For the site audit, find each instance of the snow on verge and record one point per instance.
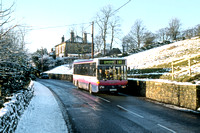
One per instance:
(43, 114)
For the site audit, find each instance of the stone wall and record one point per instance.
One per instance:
(10, 114)
(67, 77)
(184, 95)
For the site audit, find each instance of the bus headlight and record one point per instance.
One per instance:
(101, 87)
(123, 86)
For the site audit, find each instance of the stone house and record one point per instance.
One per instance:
(75, 46)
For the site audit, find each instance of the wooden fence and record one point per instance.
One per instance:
(189, 62)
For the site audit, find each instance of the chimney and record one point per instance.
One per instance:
(63, 39)
(72, 36)
(84, 37)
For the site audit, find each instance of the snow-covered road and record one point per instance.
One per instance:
(43, 114)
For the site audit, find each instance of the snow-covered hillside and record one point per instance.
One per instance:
(164, 54)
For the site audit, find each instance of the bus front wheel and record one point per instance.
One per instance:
(77, 84)
(90, 88)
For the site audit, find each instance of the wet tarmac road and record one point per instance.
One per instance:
(118, 113)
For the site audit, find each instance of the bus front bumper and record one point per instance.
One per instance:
(111, 88)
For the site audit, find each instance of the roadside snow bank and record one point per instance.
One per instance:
(43, 115)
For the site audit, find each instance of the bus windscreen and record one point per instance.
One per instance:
(112, 72)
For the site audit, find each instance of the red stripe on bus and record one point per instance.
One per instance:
(104, 82)
(113, 82)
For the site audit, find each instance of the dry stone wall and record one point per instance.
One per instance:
(10, 114)
(181, 94)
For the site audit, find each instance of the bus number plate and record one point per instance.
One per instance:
(113, 89)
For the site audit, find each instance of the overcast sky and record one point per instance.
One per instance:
(63, 15)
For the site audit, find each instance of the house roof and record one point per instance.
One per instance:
(77, 39)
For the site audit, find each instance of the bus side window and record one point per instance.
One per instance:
(99, 73)
(94, 71)
(103, 75)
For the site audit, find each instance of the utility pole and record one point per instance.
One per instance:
(92, 47)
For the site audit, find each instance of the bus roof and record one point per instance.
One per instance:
(83, 61)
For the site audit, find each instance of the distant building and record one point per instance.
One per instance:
(75, 46)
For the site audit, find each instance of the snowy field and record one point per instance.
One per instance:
(164, 54)
(43, 114)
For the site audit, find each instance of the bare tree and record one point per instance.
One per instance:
(128, 43)
(188, 33)
(98, 43)
(12, 42)
(115, 29)
(137, 33)
(5, 19)
(102, 20)
(174, 28)
(108, 23)
(6, 45)
(163, 34)
(149, 38)
(197, 30)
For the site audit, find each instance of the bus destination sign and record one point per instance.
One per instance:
(112, 62)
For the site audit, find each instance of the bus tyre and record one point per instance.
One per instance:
(77, 85)
(90, 89)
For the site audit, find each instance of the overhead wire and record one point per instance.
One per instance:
(120, 7)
